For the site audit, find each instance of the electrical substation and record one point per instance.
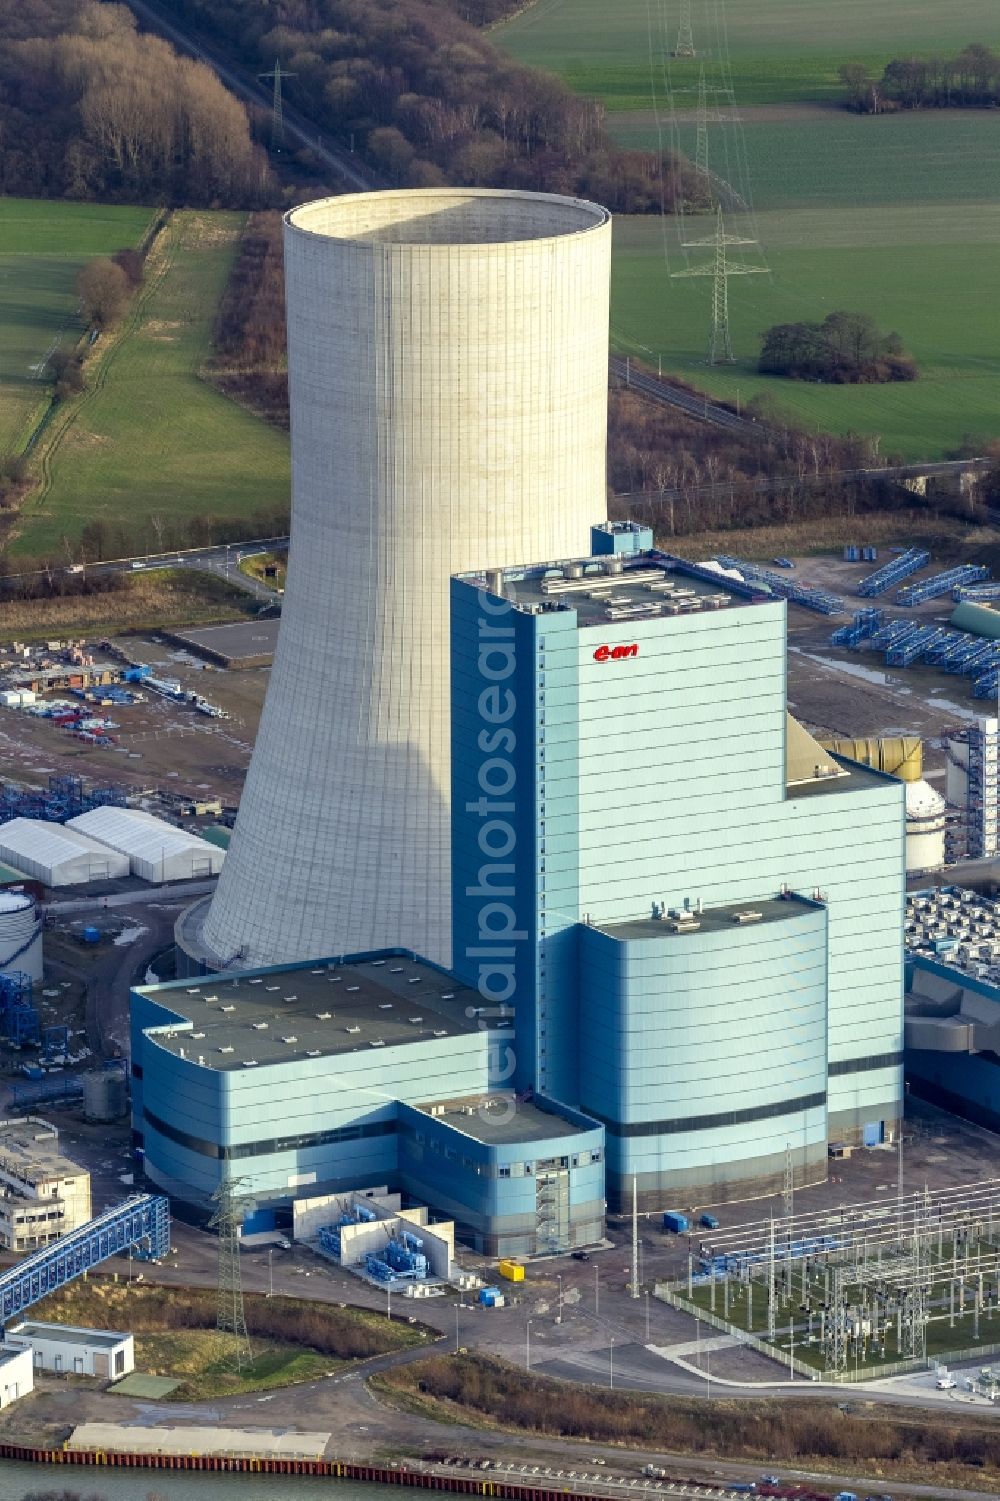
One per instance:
(868, 1289)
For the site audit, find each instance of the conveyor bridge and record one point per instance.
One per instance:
(142, 1223)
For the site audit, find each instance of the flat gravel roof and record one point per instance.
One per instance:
(710, 920)
(500, 1118)
(326, 1010)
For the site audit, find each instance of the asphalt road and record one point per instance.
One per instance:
(223, 560)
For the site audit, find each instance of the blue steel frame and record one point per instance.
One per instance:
(144, 1218)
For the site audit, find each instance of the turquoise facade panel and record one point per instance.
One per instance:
(656, 776)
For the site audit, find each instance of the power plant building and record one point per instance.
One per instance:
(677, 930)
(311, 1080)
(448, 386)
(694, 910)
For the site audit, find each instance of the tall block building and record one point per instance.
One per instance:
(694, 910)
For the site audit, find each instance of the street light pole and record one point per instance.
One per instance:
(647, 1315)
(559, 1280)
(612, 1362)
(270, 1271)
(597, 1290)
(456, 1327)
(527, 1346)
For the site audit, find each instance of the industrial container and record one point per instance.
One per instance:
(91, 934)
(709, 1221)
(104, 1095)
(491, 1297)
(10, 698)
(676, 1223)
(851, 554)
(512, 1270)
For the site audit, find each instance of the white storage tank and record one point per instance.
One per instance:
(925, 818)
(20, 935)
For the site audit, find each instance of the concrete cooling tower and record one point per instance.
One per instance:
(448, 370)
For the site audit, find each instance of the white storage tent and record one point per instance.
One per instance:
(156, 850)
(57, 855)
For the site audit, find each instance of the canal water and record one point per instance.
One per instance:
(19, 1480)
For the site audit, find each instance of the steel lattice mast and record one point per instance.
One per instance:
(230, 1201)
(720, 268)
(685, 35)
(277, 73)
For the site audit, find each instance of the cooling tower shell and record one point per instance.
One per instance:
(448, 384)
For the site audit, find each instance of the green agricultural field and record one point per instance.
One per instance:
(150, 440)
(927, 271)
(830, 157)
(42, 247)
(781, 50)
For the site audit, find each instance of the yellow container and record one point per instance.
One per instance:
(512, 1270)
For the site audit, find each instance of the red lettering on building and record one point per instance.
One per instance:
(616, 653)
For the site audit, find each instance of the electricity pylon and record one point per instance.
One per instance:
(277, 108)
(685, 37)
(701, 138)
(720, 268)
(230, 1199)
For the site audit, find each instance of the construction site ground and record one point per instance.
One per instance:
(160, 744)
(852, 693)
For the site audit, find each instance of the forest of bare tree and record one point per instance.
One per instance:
(90, 108)
(424, 95)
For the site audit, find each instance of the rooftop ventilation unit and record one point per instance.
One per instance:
(396, 969)
(447, 995)
(377, 962)
(226, 1048)
(254, 982)
(195, 991)
(230, 1007)
(748, 915)
(290, 1039)
(354, 987)
(441, 1032)
(210, 998)
(317, 971)
(249, 1063)
(312, 1053)
(377, 1042)
(323, 1016)
(413, 980)
(259, 1026)
(273, 987)
(352, 1030)
(415, 1020)
(385, 1005)
(197, 1036)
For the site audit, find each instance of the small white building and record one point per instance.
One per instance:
(155, 849)
(16, 1375)
(57, 855)
(70, 1350)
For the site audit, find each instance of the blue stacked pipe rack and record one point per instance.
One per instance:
(894, 572)
(941, 583)
(811, 598)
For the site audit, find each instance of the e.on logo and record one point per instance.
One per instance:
(616, 653)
